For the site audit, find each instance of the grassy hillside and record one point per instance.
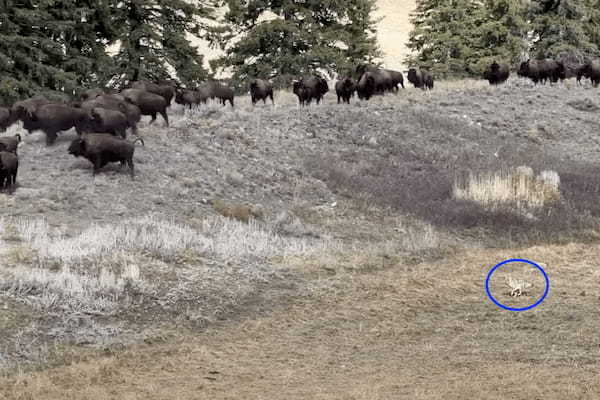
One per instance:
(339, 249)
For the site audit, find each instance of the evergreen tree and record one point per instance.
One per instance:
(282, 39)
(564, 28)
(31, 54)
(153, 40)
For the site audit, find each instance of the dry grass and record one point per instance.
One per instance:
(517, 188)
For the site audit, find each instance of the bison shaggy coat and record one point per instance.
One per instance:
(261, 90)
(344, 89)
(148, 103)
(307, 89)
(9, 165)
(420, 78)
(54, 118)
(496, 73)
(101, 149)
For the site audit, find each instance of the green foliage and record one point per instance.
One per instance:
(460, 37)
(565, 28)
(282, 39)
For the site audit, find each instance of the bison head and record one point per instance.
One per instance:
(412, 76)
(297, 86)
(523, 69)
(77, 147)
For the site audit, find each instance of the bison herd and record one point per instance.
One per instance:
(102, 118)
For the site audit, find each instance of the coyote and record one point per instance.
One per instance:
(518, 286)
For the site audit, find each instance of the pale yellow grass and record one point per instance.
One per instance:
(517, 187)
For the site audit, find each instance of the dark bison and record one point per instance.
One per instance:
(188, 98)
(542, 70)
(102, 120)
(114, 103)
(149, 103)
(9, 165)
(223, 93)
(421, 79)
(261, 90)
(166, 90)
(21, 109)
(397, 79)
(310, 88)
(92, 94)
(365, 88)
(6, 118)
(591, 70)
(496, 73)
(10, 143)
(101, 149)
(54, 118)
(383, 79)
(345, 88)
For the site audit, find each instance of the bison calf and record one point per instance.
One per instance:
(101, 149)
(345, 88)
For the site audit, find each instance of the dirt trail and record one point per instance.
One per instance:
(406, 332)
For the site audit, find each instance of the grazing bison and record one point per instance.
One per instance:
(6, 118)
(10, 143)
(542, 70)
(148, 103)
(496, 73)
(261, 90)
(591, 70)
(345, 88)
(54, 118)
(397, 79)
(166, 90)
(9, 165)
(101, 149)
(310, 88)
(384, 80)
(421, 79)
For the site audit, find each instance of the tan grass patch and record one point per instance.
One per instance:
(518, 187)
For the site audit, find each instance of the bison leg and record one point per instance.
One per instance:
(50, 138)
(163, 113)
(130, 165)
(153, 115)
(231, 101)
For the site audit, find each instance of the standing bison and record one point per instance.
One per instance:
(345, 88)
(421, 79)
(591, 70)
(148, 103)
(54, 118)
(307, 89)
(223, 93)
(261, 90)
(165, 90)
(496, 73)
(542, 70)
(6, 118)
(9, 165)
(102, 149)
(397, 79)
(188, 98)
(365, 88)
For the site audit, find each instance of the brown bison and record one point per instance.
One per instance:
(102, 120)
(591, 70)
(101, 149)
(542, 70)
(421, 79)
(261, 90)
(397, 79)
(188, 98)
(6, 118)
(21, 109)
(365, 88)
(496, 73)
(9, 165)
(307, 89)
(344, 89)
(10, 143)
(54, 118)
(165, 89)
(148, 103)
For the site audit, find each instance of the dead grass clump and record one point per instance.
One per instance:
(240, 212)
(518, 188)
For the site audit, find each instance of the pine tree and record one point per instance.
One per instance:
(564, 28)
(153, 40)
(282, 39)
(30, 54)
(444, 37)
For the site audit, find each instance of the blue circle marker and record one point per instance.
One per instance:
(496, 302)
